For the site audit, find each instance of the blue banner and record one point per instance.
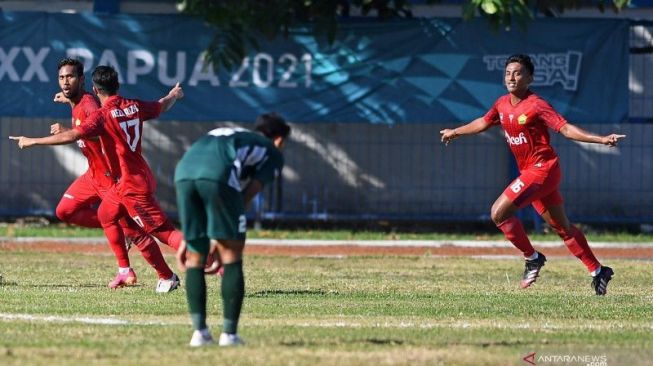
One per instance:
(416, 71)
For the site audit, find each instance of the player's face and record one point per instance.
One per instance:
(70, 83)
(517, 78)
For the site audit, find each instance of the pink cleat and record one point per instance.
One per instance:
(123, 279)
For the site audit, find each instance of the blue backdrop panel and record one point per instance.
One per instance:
(434, 71)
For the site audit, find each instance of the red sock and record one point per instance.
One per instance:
(109, 213)
(167, 234)
(577, 244)
(152, 254)
(116, 239)
(513, 230)
(68, 211)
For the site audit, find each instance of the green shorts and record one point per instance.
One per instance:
(210, 210)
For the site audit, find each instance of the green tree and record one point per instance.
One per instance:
(239, 24)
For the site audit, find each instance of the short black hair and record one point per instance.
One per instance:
(524, 60)
(272, 125)
(106, 78)
(78, 65)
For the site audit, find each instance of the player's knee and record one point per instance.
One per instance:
(497, 216)
(63, 212)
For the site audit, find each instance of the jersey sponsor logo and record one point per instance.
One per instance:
(550, 68)
(516, 140)
(522, 119)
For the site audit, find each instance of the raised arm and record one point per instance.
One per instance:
(472, 128)
(576, 133)
(169, 100)
(58, 139)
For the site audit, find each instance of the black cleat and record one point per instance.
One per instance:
(532, 270)
(600, 281)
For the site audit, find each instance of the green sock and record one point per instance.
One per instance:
(196, 297)
(233, 293)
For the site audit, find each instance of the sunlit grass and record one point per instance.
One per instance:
(326, 311)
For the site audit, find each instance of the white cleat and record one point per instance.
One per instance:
(229, 340)
(165, 286)
(201, 338)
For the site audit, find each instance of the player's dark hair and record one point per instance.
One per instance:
(524, 60)
(272, 125)
(105, 78)
(78, 65)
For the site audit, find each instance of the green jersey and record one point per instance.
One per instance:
(233, 156)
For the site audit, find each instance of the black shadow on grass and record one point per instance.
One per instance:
(273, 293)
(374, 341)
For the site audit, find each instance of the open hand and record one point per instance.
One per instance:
(181, 256)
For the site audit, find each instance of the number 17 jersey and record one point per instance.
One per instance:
(119, 123)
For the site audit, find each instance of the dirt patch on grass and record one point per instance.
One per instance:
(643, 252)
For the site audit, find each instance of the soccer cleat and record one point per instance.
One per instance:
(229, 340)
(201, 338)
(532, 270)
(600, 281)
(123, 279)
(168, 285)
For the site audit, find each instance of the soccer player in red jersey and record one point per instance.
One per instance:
(77, 204)
(525, 119)
(119, 124)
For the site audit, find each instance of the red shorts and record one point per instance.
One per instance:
(142, 208)
(531, 187)
(83, 191)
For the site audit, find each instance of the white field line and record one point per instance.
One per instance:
(360, 243)
(489, 324)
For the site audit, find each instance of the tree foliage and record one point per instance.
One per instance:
(239, 24)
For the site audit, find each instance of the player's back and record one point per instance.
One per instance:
(122, 142)
(232, 156)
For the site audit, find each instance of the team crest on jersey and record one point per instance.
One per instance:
(78, 122)
(522, 119)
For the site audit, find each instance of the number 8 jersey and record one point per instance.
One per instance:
(119, 124)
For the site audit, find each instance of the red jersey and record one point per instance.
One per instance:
(525, 127)
(91, 148)
(119, 123)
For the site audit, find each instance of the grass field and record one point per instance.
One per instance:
(375, 310)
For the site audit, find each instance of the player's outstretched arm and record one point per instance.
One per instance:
(58, 139)
(472, 128)
(576, 133)
(169, 100)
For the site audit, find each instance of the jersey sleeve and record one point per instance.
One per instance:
(90, 106)
(550, 116)
(492, 115)
(93, 126)
(270, 168)
(149, 110)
